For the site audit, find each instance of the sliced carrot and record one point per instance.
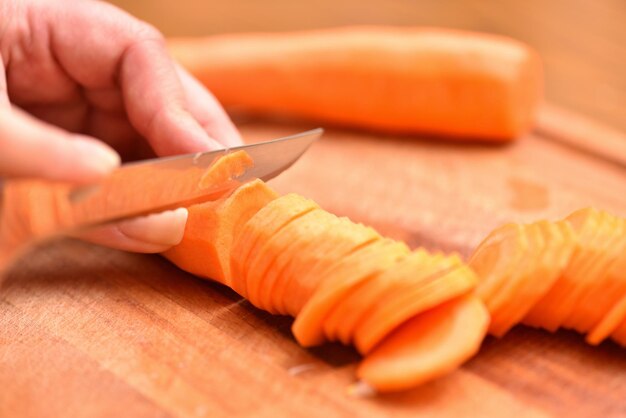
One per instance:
(611, 321)
(427, 346)
(599, 291)
(296, 284)
(550, 261)
(265, 254)
(447, 82)
(497, 258)
(338, 281)
(228, 167)
(206, 245)
(411, 299)
(265, 223)
(499, 305)
(557, 303)
(343, 319)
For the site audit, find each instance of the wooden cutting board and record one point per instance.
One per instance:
(87, 331)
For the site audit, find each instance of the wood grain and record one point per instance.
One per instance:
(87, 331)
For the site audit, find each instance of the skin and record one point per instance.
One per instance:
(83, 86)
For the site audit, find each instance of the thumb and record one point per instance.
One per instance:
(31, 148)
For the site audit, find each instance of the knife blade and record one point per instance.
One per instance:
(32, 210)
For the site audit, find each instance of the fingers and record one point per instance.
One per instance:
(207, 110)
(31, 148)
(155, 101)
(148, 234)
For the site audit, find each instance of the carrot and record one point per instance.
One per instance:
(411, 297)
(407, 80)
(263, 224)
(210, 230)
(570, 273)
(338, 281)
(427, 346)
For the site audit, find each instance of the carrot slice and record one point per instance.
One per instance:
(206, 245)
(611, 321)
(499, 304)
(263, 257)
(343, 319)
(498, 257)
(558, 302)
(338, 281)
(561, 240)
(265, 223)
(296, 285)
(228, 167)
(411, 299)
(427, 346)
(592, 303)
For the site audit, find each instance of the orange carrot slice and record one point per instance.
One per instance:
(499, 304)
(557, 303)
(337, 282)
(497, 258)
(303, 273)
(264, 224)
(427, 346)
(227, 167)
(611, 321)
(592, 303)
(206, 245)
(343, 319)
(410, 299)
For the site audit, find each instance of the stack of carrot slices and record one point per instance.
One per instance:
(569, 274)
(412, 314)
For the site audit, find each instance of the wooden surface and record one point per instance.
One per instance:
(87, 331)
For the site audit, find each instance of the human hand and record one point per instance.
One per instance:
(89, 79)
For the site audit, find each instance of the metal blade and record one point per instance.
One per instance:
(173, 181)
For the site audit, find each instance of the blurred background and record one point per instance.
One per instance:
(582, 42)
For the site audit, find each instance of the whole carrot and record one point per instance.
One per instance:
(401, 80)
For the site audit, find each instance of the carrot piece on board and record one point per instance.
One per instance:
(264, 224)
(343, 319)
(338, 281)
(411, 80)
(590, 226)
(551, 260)
(507, 296)
(206, 245)
(227, 167)
(296, 284)
(411, 299)
(599, 291)
(427, 346)
(497, 258)
(612, 319)
(276, 251)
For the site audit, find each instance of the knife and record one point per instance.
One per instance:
(33, 210)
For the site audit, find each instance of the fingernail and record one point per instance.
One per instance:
(96, 154)
(165, 228)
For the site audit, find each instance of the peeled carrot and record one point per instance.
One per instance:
(206, 245)
(407, 80)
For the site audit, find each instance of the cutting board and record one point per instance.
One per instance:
(87, 331)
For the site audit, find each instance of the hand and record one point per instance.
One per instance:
(83, 83)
